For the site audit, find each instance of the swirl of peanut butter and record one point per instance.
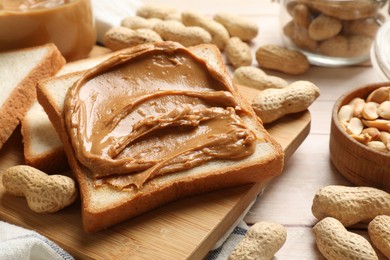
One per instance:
(152, 110)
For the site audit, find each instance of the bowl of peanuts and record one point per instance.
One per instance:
(359, 142)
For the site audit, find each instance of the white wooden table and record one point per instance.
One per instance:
(288, 198)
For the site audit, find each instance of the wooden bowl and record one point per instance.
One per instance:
(361, 165)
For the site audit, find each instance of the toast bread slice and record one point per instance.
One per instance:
(20, 70)
(105, 206)
(42, 146)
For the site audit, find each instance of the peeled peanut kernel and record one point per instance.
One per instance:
(355, 126)
(374, 113)
(385, 138)
(377, 145)
(380, 124)
(379, 95)
(357, 104)
(363, 138)
(372, 131)
(345, 114)
(369, 111)
(384, 110)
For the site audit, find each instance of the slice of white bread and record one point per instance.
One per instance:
(43, 148)
(20, 70)
(105, 206)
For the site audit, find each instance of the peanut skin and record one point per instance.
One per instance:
(44, 193)
(262, 241)
(350, 205)
(272, 104)
(379, 232)
(335, 242)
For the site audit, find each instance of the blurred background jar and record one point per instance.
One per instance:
(380, 52)
(67, 23)
(332, 32)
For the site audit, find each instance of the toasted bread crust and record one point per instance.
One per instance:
(125, 204)
(23, 95)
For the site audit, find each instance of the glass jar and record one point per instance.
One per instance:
(69, 24)
(380, 52)
(332, 32)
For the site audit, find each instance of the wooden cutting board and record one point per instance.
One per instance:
(188, 228)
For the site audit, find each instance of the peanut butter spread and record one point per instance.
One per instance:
(154, 111)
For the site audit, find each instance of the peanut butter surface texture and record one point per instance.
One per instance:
(156, 109)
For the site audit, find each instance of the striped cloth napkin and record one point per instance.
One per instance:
(24, 244)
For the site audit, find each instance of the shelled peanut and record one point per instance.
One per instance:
(333, 28)
(368, 120)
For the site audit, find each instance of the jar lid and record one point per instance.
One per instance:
(380, 52)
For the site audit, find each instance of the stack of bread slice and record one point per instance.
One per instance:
(20, 71)
(105, 205)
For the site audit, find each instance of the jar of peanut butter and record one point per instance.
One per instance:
(67, 23)
(332, 33)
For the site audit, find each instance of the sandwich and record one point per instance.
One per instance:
(155, 123)
(20, 71)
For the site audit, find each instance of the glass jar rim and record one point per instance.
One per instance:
(380, 52)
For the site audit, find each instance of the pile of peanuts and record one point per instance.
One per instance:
(339, 207)
(152, 23)
(232, 34)
(333, 28)
(368, 120)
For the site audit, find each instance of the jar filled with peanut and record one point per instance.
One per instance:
(332, 32)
